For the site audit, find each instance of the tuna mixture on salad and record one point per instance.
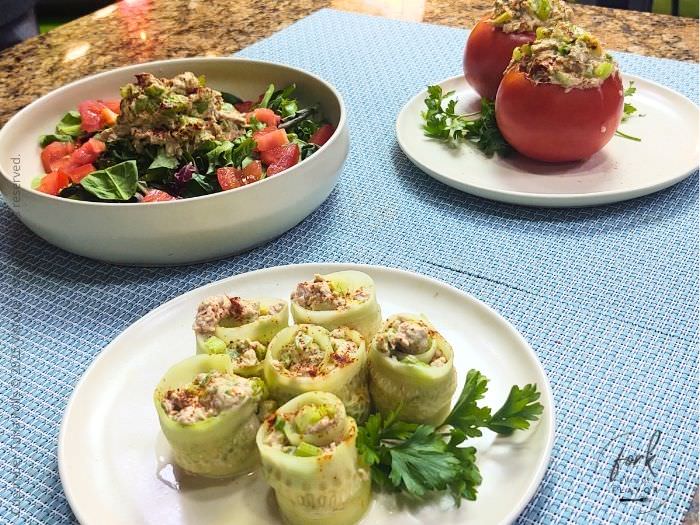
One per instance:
(173, 138)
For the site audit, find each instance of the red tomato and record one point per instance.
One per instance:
(88, 152)
(545, 122)
(266, 116)
(266, 140)
(487, 55)
(90, 115)
(158, 196)
(322, 134)
(78, 173)
(112, 104)
(52, 183)
(289, 157)
(230, 178)
(54, 152)
(244, 107)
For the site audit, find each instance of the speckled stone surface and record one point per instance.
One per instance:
(144, 30)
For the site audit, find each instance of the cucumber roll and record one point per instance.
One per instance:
(210, 416)
(303, 358)
(346, 298)
(411, 368)
(241, 328)
(309, 459)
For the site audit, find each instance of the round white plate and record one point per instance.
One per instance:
(114, 462)
(622, 170)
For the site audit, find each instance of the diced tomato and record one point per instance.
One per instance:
(78, 173)
(322, 134)
(91, 115)
(266, 140)
(113, 104)
(230, 178)
(55, 151)
(88, 152)
(244, 107)
(158, 196)
(266, 116)
(109, 117)
(288, 157)
(52, 183)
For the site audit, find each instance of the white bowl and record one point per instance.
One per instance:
(183, 231)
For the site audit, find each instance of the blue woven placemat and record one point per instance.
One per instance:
(607, 296)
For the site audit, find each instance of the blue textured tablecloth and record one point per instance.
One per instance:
(607, 296)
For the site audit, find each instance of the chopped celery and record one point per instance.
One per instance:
(307, 450)
(215, 345)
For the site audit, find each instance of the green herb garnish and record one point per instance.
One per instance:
(420, 459)
(443, 123)
(628, 111)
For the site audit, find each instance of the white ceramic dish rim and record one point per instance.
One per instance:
(545, 388)
(557, 199)
(190, 60)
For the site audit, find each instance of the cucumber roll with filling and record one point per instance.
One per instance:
(346, 298)
(241, 328)
(210, 416)
(309, 459)
(303, 358)
(412, 369)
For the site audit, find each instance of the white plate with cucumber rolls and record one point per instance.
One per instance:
(212, 410)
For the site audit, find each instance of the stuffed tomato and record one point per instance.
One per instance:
(491, 42)
(561, 98)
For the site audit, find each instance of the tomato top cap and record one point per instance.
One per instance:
(525, 16)
(566, 55)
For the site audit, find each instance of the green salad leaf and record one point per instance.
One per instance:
(281, 102)
(117, 183)
(266, 96)
(45, 140)
(70, 124)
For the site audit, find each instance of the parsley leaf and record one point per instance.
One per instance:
(466, 417)
(442, 122)
(519, 409)
(420, 459)
(422, 463)
(628, 111)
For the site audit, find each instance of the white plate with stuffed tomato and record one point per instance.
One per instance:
(623, 169)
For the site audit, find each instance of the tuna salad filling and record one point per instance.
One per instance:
(245, 353)
(312, 430)
(208, 395)
(178, 114)
(410, 341)
(525, 16)
(228, 311)
(322, 294)
(305, 356)
(565, 55)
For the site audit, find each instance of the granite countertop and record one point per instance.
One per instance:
(144, 30)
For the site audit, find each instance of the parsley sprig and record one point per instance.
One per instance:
(628, 111)
(422, 459)
(443, 123)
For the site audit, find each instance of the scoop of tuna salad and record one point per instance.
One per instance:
(206, 396)
(565, 55)
(178, 114)
(410, 339)
(323, 294)
(525, 16)
(236, 311)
